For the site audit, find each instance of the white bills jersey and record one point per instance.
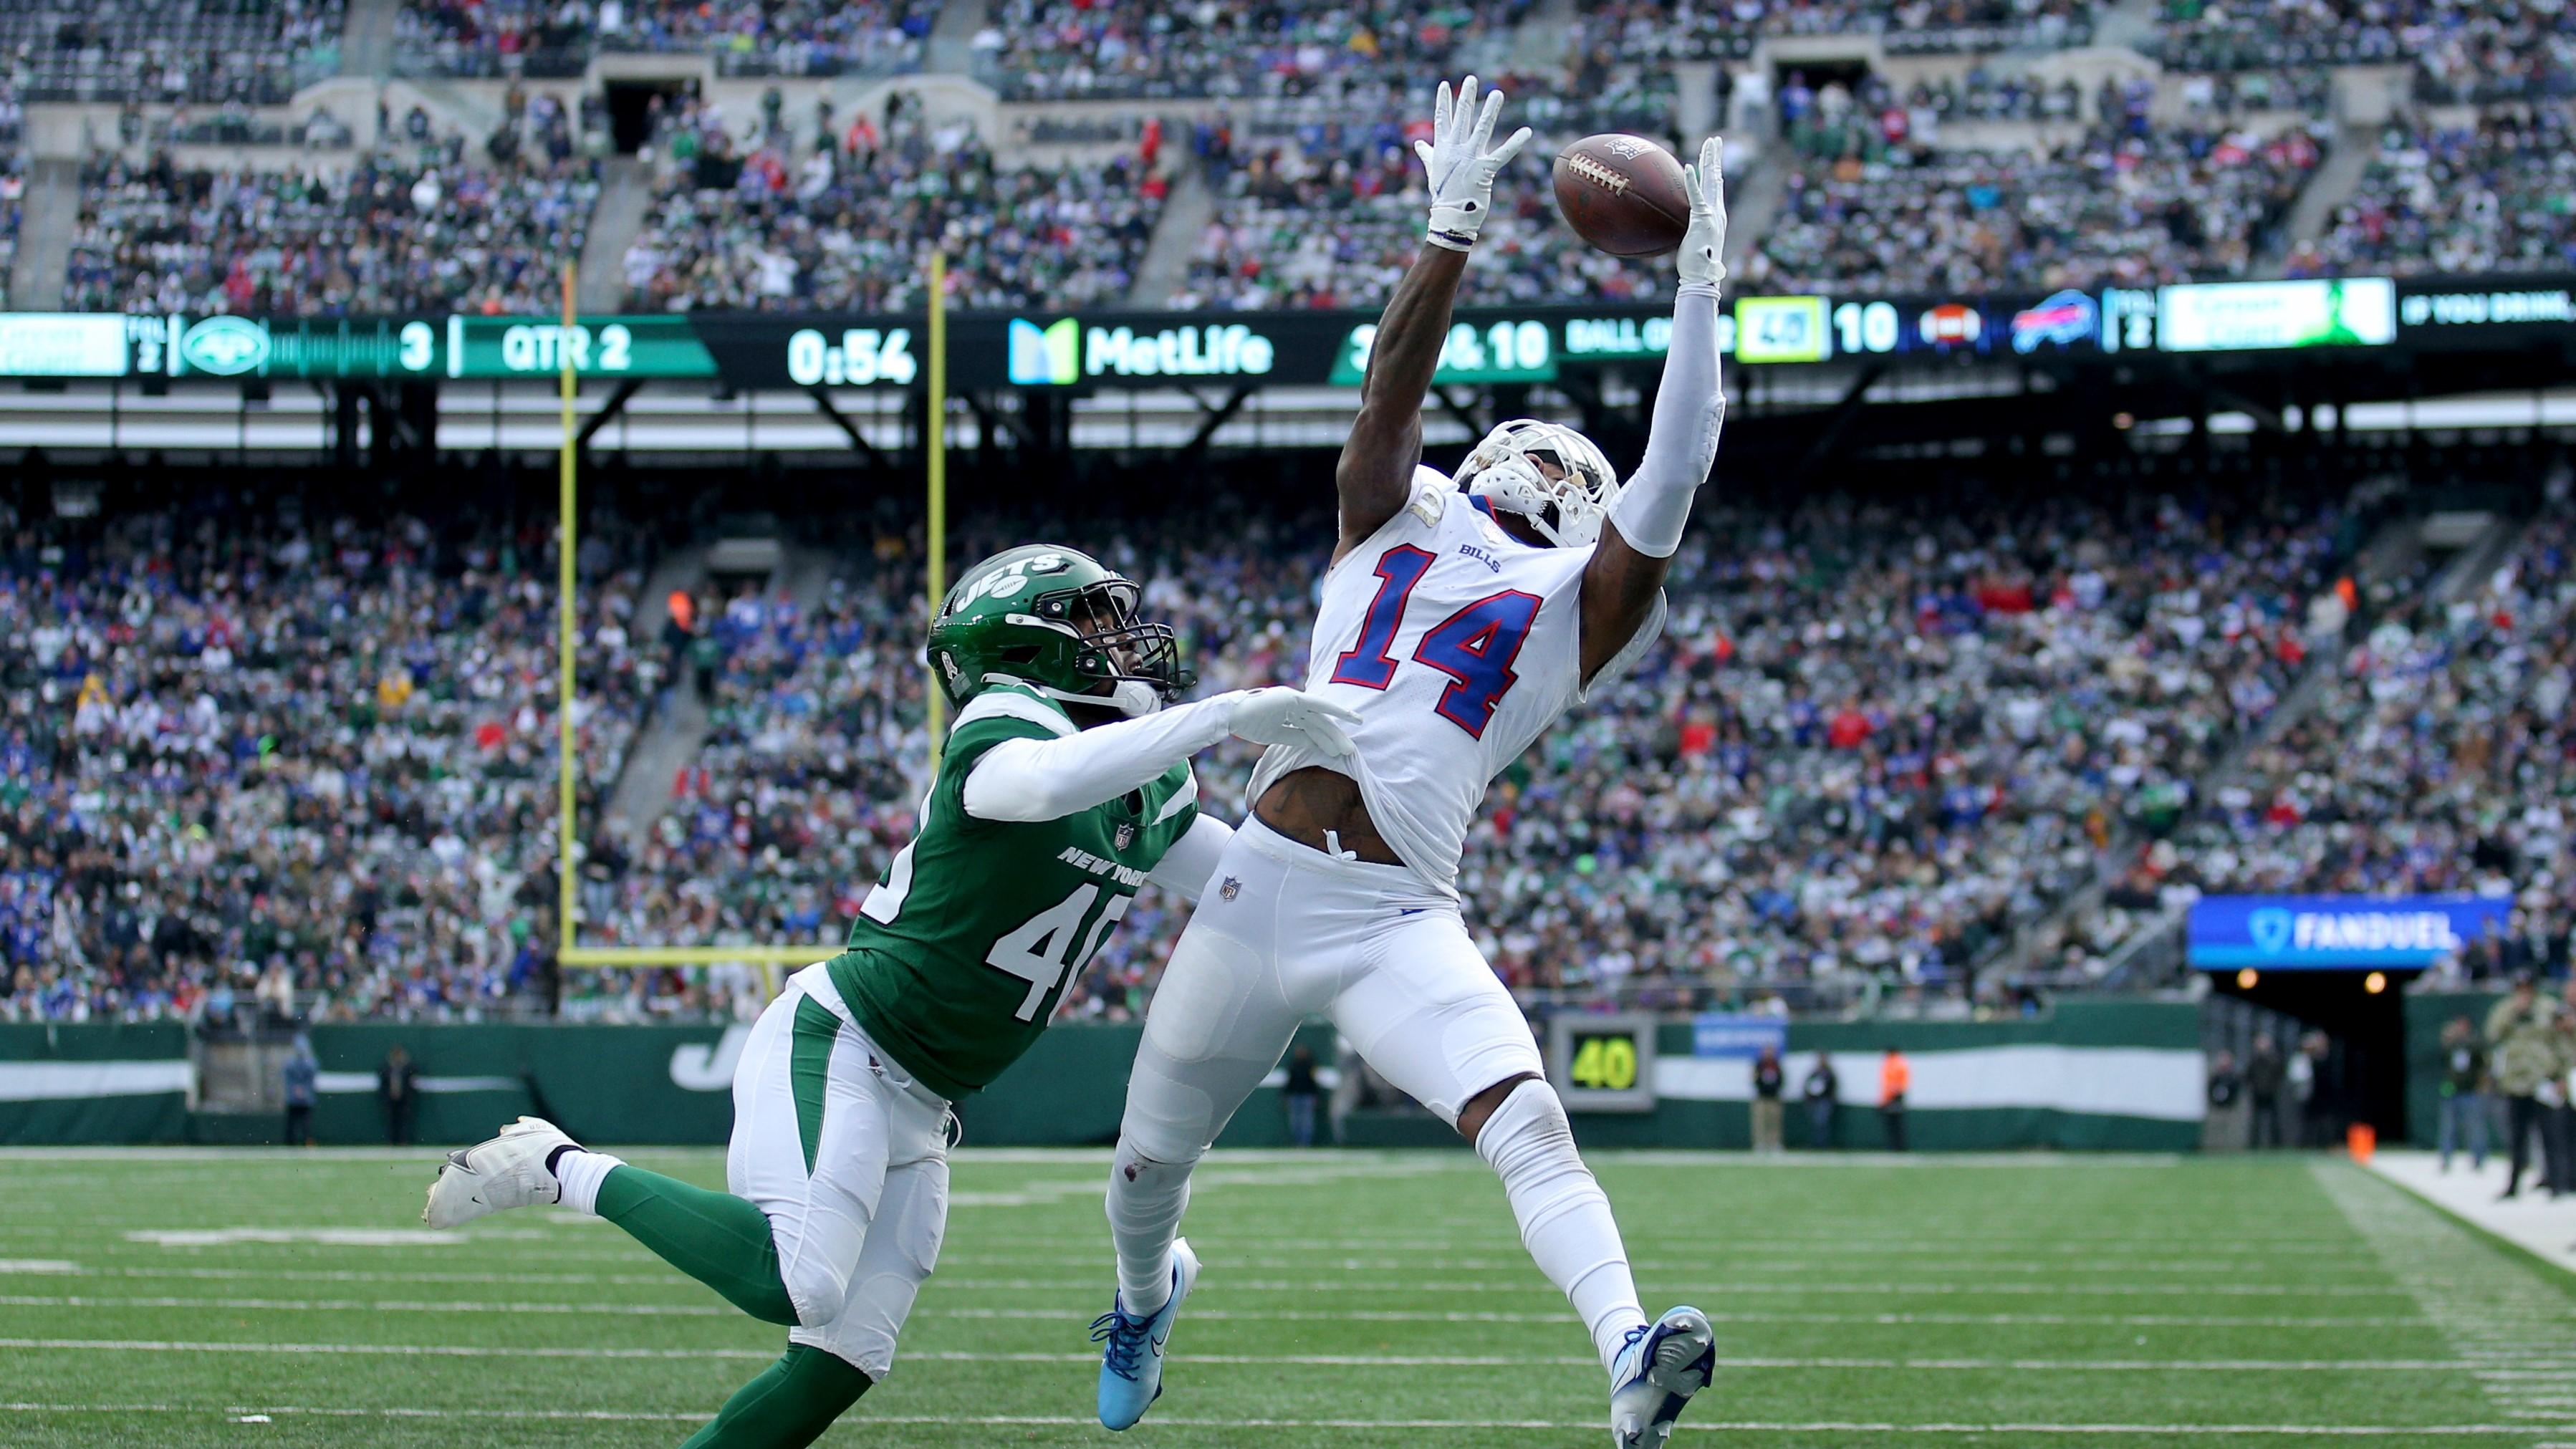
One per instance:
(1458, 645)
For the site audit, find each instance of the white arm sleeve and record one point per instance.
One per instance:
(1185, 867)
(1027, 780)
(1682, 445)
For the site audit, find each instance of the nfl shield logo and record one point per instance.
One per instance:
(1231, 888)
(1126, 836)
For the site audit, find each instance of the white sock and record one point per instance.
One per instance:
(1146, 1200)
(579, 1173)
(1565, 1220)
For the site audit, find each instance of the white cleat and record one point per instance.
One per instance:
(508, 1171)
(1661, 1366)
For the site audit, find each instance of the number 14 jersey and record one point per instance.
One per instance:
(1458, 645)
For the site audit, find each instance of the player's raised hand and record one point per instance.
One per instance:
(1284, 716)
(1703, 253)
(1459, 168)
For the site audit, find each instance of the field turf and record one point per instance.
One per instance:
(181, 1298)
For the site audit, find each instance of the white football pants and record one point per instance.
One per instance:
(1284, 932)
(848, 1157)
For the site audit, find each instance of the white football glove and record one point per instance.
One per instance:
(1283, 716)
(1460, 169)
(1703, 253)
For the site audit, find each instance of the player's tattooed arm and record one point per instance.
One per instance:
(1644, 529)
(1458, 164)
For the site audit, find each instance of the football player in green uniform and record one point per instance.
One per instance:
(1065, 787)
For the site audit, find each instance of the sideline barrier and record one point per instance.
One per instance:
(2118, 1075)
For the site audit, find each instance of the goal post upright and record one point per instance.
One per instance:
(935, 460)
(566, 633)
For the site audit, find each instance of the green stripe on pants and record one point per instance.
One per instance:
(809, 1070)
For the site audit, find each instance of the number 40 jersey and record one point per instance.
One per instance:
(1458, 645)
(962, 951)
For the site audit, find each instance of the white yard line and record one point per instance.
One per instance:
(1319, 1360)
(1093, 1284)
(2307, 1431)
(1283, 1315)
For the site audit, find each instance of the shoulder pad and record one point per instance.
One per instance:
(1003, 701)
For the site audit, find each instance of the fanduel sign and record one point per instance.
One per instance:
(2337, 932)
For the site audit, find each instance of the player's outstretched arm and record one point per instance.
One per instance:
(1375, 476)
(1030, 779)
(1645, 525)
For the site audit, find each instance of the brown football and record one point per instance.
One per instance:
(1623, 194)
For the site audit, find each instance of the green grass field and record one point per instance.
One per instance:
(200, 1298)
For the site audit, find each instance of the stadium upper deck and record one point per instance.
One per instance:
(1960, 146)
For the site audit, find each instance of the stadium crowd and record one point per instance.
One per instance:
(1322, 206)
(1077, 49)
(2130, 201)
(202, 51)
(560, 37)
(847, 220)
(1697, 29)
(2489, 196)
(2441, 760)
(417, 225)
(240, 746)
(1874, 740)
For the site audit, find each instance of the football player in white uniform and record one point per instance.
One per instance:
(1459, 619)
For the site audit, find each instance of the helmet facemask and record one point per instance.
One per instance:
(1140, 661)
(1546, 473)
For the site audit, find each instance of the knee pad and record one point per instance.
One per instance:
(1527, 1132)
(1167, 1119)
(1141, 1166)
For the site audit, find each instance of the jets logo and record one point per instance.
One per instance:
(1231, 888)
(1126, 836)
(1006, 580)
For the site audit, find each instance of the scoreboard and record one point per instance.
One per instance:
(1602, 1063)
(1304, 348)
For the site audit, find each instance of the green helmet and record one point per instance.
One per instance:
(1052, 619)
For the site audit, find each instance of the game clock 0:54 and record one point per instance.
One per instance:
(1603, 1063)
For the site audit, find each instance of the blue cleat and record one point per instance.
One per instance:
(1658, 1369)
(1131, 1354)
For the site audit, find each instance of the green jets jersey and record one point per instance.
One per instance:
(963, 949)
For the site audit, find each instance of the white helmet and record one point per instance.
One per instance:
(1567, 509)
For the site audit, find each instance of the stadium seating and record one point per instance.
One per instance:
(416, 226)
(1046, 49)
(2130, 202)
(170, 50)
(1698, 29)
(1876, 739)
(520, 38)
(2440, 760)
(849, 227)
(2496, 52)
(234, 740)
(1867, 749)
(2488, 197)
(13, 178)
(1321, 205)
